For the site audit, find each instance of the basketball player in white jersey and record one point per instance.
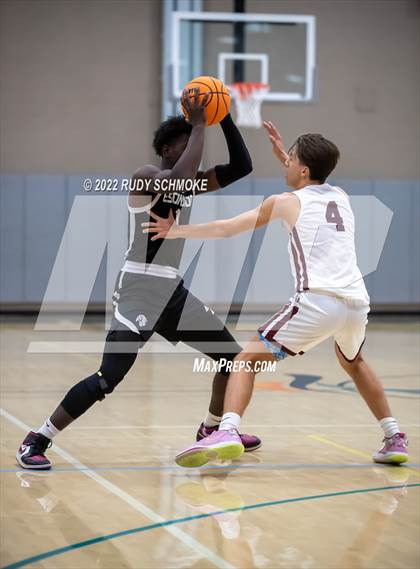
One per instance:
(330, 300)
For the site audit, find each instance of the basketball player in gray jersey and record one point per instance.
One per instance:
(149, 295)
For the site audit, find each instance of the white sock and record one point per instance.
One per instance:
(230, 421)
(48, 429)
(389, 426)
(212, 420)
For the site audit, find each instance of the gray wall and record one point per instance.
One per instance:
(81, 82)
(80, 85)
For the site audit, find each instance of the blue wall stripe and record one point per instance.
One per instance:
(34, 210)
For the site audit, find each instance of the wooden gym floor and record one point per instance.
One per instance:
(309, 498)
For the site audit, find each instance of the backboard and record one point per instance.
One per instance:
(278, 49)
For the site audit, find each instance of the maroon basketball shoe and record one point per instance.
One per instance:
(250, 442)
(31, 452)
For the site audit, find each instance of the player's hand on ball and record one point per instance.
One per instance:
(163, 227)
(277, 142)
(195, 107)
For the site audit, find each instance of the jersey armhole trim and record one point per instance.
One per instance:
(295, 193)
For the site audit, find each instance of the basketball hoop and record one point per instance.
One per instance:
(248, 99)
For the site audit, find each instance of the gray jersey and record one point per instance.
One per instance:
(161, 257)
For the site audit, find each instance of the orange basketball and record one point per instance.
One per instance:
(218, 105)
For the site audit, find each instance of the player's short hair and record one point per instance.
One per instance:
(319, 154)
(169, 131)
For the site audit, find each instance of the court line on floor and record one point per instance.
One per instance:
(130, 500)
(352, 450)
(199, 471)
(102, 538)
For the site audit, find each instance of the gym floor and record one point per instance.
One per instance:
(311, 497)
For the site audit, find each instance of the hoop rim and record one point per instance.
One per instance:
(246, 89)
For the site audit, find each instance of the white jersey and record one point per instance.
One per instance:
(321, 247)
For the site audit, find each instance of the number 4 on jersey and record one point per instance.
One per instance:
(333, 216)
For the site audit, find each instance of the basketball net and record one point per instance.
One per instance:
(248, 99)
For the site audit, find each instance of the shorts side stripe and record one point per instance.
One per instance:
(265, 330)
(125, 321)
(282, 310)
(278, 325)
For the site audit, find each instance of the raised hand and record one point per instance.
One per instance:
(195, 107)
(165, 228)
(277, 142)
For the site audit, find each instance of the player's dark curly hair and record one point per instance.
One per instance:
(169, 131)
(319, 154)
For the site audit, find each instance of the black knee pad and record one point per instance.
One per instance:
(113, 369)
(120, 353)
(114, 366)
(98, 386)
(83, 395)
(94, 388)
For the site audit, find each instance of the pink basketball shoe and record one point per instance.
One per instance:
(394, 450)
(224, 445)
(250, 442)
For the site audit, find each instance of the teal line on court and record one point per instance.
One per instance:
(94, 540)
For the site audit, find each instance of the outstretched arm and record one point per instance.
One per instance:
(284, 207)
